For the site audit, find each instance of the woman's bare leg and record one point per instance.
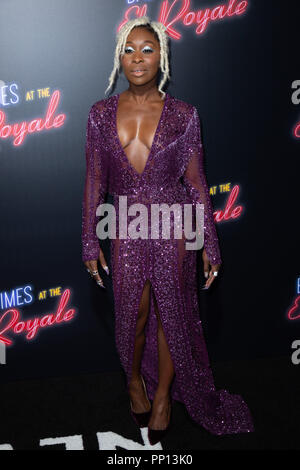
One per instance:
(160, 411)
(140, 404)
(161, 403)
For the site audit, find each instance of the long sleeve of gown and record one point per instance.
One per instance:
(195, 182)
(94, 189)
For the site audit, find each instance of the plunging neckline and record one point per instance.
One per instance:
(117, 97)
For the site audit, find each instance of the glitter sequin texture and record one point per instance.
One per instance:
(173, 173)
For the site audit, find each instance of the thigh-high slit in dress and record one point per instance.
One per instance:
(173, 174)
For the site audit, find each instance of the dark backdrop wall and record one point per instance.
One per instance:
(241, 73)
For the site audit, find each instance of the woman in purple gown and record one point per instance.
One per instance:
(145, 145)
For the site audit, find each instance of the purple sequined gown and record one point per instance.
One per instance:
(173, 174)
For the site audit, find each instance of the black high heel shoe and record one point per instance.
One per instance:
(155, 435)
(141, 419)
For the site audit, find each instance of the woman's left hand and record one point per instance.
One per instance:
(209, 272)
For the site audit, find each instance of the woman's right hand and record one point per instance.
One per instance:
(92, 268)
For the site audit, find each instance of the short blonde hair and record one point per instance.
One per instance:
(159, 31)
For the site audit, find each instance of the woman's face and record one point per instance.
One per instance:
(142, 53)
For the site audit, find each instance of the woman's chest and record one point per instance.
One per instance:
(164, 159)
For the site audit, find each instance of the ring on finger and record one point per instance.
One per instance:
(95, 272)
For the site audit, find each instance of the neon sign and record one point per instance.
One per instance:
(230, 212)
(31, 326)
(3, 95)
(180, 9)
(20, 130)
(294, 311)
(19, 296)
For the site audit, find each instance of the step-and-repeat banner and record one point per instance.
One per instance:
(234, 61)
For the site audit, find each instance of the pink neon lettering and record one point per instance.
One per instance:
(32, 325)
(20, 130)
(182, 12)
(293, 309)
(229, 212)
